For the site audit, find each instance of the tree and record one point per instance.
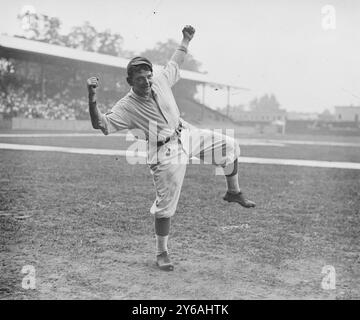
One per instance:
(264, 103)
(29, 21)
(83, 37)
(51, 31)
(273, 103)
(253, 104)
(42, 28)
(326, 115)
(109, 43)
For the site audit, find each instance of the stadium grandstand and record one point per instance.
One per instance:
(45, 81)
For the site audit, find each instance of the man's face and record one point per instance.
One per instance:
(142, 82)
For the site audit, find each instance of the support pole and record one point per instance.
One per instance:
(228, 101)
(42, 79)
(284, 126)
(203, 101)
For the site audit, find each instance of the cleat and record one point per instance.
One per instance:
(163, 262)
(239, 198)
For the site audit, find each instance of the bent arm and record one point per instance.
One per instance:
(181, 51)
(95, 114)
(115, 120)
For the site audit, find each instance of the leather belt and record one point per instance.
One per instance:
(177, 132)
(161, 143)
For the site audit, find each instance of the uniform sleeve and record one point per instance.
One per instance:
(115, 120)
(171, 73)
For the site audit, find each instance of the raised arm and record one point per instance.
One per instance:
(95, 114)
(179, 54)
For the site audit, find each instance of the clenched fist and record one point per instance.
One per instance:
(92, 84)
(188, 32)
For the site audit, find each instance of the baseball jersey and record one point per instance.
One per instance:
(157, 115)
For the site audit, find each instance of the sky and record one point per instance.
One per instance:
(305, 52)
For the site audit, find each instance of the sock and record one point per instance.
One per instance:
(162, 226)
(233, 184)
(162, 229)
(161, 244)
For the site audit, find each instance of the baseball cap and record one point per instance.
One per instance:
(138, 61)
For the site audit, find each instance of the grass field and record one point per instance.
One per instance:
(306, 152)
(83, 222)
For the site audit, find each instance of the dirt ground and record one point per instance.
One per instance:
(83, 223)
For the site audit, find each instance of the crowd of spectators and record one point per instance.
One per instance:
(17, 102)
(28, 92)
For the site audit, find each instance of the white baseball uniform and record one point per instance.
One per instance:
(168, 162)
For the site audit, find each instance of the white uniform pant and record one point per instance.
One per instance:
(169, 169)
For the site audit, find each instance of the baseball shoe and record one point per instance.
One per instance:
(163, 262)
(239, 198)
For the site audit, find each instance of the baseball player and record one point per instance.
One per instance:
(150, 106)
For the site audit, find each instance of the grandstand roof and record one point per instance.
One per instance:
(14, 44)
